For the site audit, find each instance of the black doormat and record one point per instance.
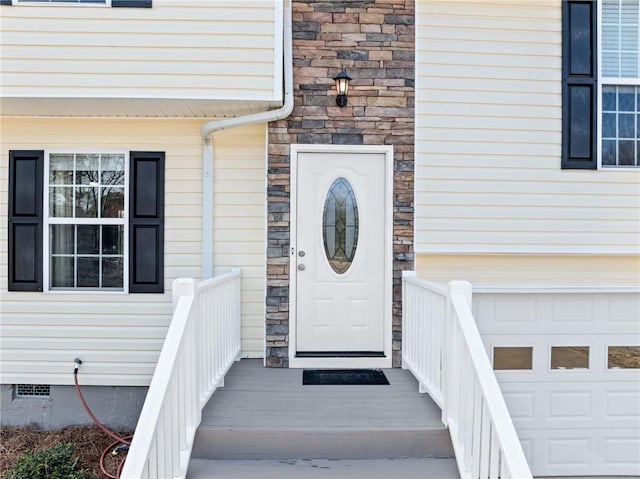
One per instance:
(339, 377)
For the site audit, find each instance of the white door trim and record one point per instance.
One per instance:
(343, 362)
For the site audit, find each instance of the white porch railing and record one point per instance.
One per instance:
(202, 343)
(443, 349)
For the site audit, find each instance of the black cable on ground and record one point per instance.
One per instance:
(115, 448)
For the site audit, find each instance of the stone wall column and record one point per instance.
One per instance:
(374, 41)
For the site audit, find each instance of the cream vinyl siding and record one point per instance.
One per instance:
(118, 336)
(239, 222)
(177, 49)
(488, 140)
(534, 270)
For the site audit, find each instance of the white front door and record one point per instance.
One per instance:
(340, 254)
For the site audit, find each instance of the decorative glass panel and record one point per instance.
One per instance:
(340, 225)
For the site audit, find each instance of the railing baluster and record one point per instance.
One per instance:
(476, 448)
(494, 456)
(194, 359)
(485, 443)
(443, 349)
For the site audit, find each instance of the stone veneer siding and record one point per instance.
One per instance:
(374, 41)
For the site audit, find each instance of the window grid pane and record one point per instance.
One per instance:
(83, 266)
(620, 126)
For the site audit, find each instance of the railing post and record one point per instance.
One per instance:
(237, 324)
(461, 287)
(405, 304)
(181, 287)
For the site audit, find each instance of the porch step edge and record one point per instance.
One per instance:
(322, 468)
(217, 443)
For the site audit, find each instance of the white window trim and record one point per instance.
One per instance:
(45, 224)
(608, 81)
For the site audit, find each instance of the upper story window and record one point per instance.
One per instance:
(63, 2)
(620, 83)
(600, 84)
(86, 220)
(107, 3)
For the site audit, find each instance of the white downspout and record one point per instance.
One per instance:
(207, 207)
(207, 141)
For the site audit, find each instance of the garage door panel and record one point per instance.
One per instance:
(623, 404)
(622, 450)
(605, 313)
(568, 451)
(521, 405)
(574, 415)
(570, 405)
(574, 452)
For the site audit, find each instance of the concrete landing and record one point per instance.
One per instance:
(266, 413)
(324, 469)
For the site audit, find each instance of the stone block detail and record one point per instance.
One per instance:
(374, 41)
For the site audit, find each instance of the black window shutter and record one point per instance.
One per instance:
(131, 3)
(146, 222)
(25, 220)
(579, 85)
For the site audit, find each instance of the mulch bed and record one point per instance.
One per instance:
(89, 442)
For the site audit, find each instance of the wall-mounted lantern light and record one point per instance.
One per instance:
(342, 87)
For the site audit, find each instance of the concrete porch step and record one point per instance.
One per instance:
(268, 414)
(409, 468)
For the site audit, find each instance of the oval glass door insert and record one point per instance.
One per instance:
(340, 225)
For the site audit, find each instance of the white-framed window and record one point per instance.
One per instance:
(619, 85)
(85, 221)
(63, 2)
(84, 3)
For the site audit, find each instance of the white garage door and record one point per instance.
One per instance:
(559, 358)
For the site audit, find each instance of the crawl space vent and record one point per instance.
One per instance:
(33, 390)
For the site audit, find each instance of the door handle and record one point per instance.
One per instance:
(301, 267)
(301, 253)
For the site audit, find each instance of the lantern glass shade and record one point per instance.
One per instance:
(342, 82)
(342, 87)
